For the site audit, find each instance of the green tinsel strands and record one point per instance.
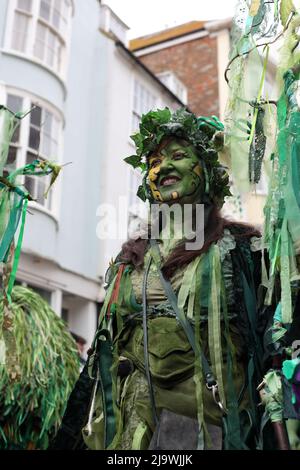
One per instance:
(282, 210)
(31, 408)
(13, 207)
(272, 396)
(247, 123)
(248, 135)
(258, 24)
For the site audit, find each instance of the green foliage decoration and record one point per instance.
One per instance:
(31, 409)
(202, 132)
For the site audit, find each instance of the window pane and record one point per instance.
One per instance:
(46, 131)
(45, 294)
(19, 34)
(65, 314)
(14, 103)
(59, 55)
(48, 201)
(45, 9)
(30, 157)
(16, 136)
(36, 115)
(46, 147)
(55, 136)
(47, 122)
(41, 189)
(34, 138)
(29, 185)
(65, 15)
(50, 48)
(12, 156)
(36, 186)
(25, 5)
(40, 42)
(57, 11)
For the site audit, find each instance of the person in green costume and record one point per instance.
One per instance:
(178, 352)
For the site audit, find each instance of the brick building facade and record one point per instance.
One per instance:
(196, 53)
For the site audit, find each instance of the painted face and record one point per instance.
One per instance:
(175, 173)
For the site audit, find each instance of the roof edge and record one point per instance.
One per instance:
(167, 40)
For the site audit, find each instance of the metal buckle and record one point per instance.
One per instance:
(91, 365)
(215, 392)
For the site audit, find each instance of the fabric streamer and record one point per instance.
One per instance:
(39, 360)
(249, 124)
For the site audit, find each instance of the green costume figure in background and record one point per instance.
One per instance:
(178, 353)
(38, 357)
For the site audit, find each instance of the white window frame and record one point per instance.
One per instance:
(23, 146)
(31, 36)
(143, 109)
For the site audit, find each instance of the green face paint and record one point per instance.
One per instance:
(175, 173)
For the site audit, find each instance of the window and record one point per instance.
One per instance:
(20, 32)
(143, 101)
(171, 80)
(15, 104)
(38, 136)
(138, 210)
(65, 315)
(41, 29)
(135, 180)
(45, 294)
(42, 143)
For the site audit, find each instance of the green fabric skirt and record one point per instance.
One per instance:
(172, 364)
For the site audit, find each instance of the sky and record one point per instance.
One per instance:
(146, 16)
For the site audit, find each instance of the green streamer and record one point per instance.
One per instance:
(102, 319)
(286, 300)
(17, 252)
(214, 318)
(198, 375)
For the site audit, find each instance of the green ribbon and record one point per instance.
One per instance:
(138, 436)
(272, 397)
(13, 274)
(14, 217)
(214, 318)
(102, 316)
(188, 287)
(286, 300)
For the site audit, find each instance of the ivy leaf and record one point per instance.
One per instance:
(137, 139)
(163, 115)
(141, 193)
(286, 7)
(133, 160)
(143, 166)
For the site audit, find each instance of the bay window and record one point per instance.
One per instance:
(41, 29)
(38, 136)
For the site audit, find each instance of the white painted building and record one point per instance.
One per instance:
(69, 58)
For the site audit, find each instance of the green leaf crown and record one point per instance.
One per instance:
(204, 133)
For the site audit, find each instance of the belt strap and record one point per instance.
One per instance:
(145, 334)
(210, 380)
(105, 362)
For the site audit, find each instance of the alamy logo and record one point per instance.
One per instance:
(163, 221)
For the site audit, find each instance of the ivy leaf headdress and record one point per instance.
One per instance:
(204, 133)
